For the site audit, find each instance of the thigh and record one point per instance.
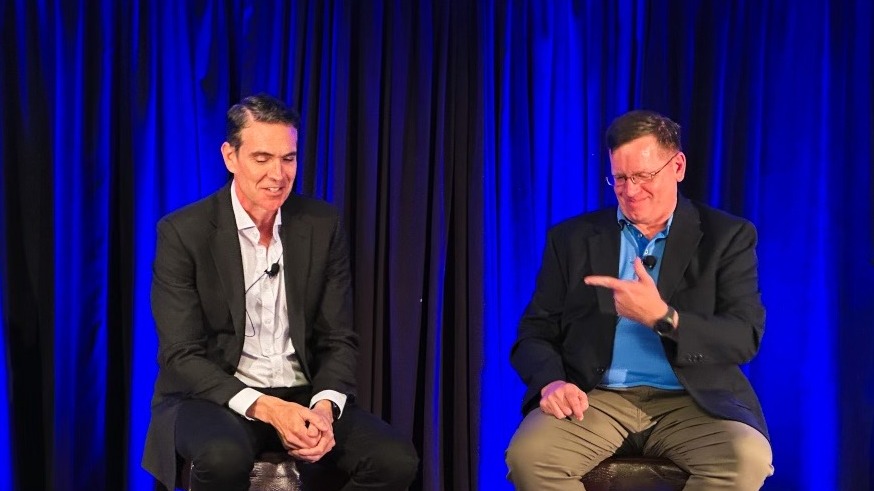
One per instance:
(371, 452)
(202, 425)
(360, 435)
(570, 446)
(686, 433)
(717, 452)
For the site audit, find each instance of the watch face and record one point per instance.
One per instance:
(666, 324)
(664, 327)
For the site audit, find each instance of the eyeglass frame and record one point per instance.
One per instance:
(638, 176)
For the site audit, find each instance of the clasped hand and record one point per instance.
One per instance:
(306, 434)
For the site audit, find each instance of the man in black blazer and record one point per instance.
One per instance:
(251, 295)
(639, 321)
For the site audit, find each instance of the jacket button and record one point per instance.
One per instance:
(600, 369)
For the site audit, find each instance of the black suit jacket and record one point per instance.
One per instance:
(199, 307)
(709, 273)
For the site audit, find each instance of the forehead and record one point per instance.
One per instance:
(638, 155)
(268, 137)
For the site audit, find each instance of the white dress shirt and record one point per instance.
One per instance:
(268, 358)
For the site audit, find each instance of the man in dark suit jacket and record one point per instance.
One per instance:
(639, 321)
(251, 295)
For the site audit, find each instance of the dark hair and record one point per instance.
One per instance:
(635, 124)
(262, 108)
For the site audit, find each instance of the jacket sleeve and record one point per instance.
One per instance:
(733, 332)
(334, 343)
(536, 355)
(186, 367)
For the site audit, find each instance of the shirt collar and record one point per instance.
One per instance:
(244, 221)
(620, 219)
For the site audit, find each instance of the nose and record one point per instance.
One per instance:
(275, 170)
(631, 188)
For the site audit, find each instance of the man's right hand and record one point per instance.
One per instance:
(297, 426)
(563, 399)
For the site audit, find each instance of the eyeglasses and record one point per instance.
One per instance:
(641, 177)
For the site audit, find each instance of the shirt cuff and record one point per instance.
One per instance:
(244, 399)
(332, 395)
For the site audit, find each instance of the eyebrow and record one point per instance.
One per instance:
(261, 153)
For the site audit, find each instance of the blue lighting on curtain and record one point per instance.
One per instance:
(547, 164)
(147, 203)
(180, 128)
(758, 105)
(81, 216)
(796, 263)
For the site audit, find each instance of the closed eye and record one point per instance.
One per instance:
(262, 157)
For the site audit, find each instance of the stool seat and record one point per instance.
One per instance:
(635, 474)
(277, 471)
(273, 471)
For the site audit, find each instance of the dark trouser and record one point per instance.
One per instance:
(223, 446)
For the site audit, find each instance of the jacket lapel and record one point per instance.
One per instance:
(604, 250)
(225, 247)
(684, 236)
(296, 234)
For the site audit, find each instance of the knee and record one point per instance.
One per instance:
(400, 462)
(753, 457)
(523, 453)
(394, 462)
(742, 461)
(223, 461)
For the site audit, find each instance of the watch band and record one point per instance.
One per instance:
(665, 325)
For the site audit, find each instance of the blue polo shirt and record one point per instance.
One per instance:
(638, 356)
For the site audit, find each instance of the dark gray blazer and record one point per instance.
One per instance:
(709, 273)
(199, 308)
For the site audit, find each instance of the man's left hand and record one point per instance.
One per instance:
(324, 409)
(636, 299)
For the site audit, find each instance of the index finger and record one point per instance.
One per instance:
(605, 281)
(316, 452)
(324, 445)
(292, 440)
(313, 431)
(576, 406)
(317, 420)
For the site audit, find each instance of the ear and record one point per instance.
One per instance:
(229, 154)
(680, 166)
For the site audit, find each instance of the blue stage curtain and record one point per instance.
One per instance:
(451, 135)
(775, 103)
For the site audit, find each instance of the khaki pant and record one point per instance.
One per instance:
(547, 453)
